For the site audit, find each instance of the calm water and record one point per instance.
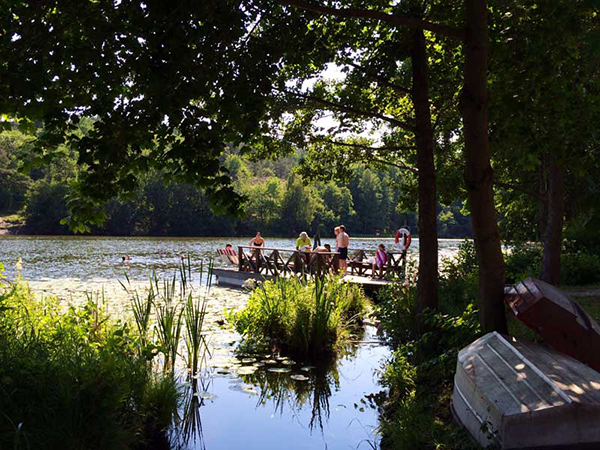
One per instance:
(99, 258)
(241, 401)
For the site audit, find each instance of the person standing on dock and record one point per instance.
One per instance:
(257, 243)
(342, 240)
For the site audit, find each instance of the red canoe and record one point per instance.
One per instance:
(558, 319)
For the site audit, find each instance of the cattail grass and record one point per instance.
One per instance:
(195, 341)
(307, 319)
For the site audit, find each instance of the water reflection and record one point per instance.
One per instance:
(311, 389)
(189, 430)
(248, 398)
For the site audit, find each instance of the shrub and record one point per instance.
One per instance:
(580, 268)
(522, 261)
(396, 311)
(72, 379)
(307, 319)
(419, 375)
(419, 378)
(458, 279)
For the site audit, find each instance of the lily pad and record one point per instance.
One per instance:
(280, 369)
(307, 368)
(249, 390)
(299, 377)
(246, 370)
(205, 395)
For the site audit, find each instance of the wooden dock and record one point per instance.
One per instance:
(234, 278)
(260, 264)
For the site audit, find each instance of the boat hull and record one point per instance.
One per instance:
(519, 395)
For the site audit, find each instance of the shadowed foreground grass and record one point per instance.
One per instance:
(74, 379)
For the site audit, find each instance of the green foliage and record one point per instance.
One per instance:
(522, 261)
(46, 207)
(583, 233)
(307, 319)
(396, 310)
(419, 375)
(73, 379)
(459, 278)
(580, 268)
(13, 188)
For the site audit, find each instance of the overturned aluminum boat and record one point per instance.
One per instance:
(518, 395)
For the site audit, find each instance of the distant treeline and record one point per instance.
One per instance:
(279, 204)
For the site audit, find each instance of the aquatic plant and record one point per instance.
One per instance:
(305, 318)
(74, 378)
(141, 307)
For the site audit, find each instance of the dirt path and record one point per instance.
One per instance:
(10, 224)
(584, 293)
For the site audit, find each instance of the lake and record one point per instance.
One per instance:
(239, 401)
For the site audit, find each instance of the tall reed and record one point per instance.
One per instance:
(168, 320)
(179, 314)
(141, 307)
(306, 318)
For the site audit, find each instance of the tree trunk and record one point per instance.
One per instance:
(427, 285)
(478, 170)
(556, 214)
(543, 197)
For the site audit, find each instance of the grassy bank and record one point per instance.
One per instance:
(419, 376)
(308, 320)
(74, 379)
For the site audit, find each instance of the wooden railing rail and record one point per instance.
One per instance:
(282, 261)
(290, 262)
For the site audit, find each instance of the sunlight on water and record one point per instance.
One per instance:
(240, 400)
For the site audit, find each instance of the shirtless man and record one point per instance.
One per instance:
(341, 241)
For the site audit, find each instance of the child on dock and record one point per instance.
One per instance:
(379, 260)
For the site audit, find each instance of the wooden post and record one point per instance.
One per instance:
(257, 259)
(240, 258)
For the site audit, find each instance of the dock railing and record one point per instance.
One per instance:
(281, 261)
(395, 265)
(286, 262)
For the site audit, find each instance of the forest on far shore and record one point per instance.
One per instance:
(372, 202)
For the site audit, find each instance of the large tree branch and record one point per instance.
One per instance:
(366, 147)
(369, 158)
(381, 80)
(352, 110)
(445, 30)
(515, 187)
(393, 164)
